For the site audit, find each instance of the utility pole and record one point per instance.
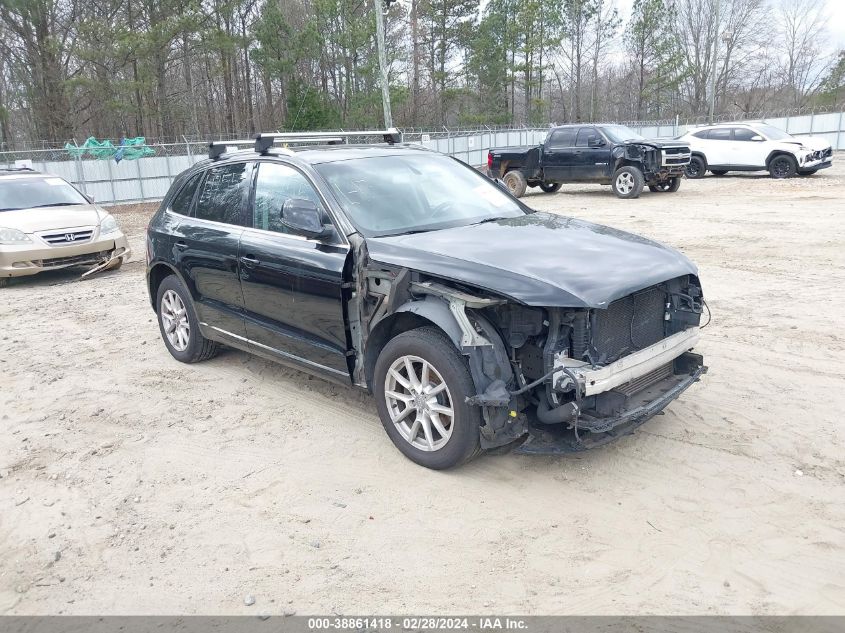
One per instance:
(715, 59)
(382, 62)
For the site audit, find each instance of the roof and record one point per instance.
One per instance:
(17, 174)
(327, 153)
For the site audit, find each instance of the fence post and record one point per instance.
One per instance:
(111, 182)
(140, 180)
(839, 132)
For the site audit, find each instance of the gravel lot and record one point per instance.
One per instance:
(134, 484)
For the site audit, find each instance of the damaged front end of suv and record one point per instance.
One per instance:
(557, 368)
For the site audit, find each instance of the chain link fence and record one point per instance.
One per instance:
(149, 178)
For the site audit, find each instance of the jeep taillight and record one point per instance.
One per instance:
(489, 160)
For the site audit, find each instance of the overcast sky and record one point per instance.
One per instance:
(835, 23)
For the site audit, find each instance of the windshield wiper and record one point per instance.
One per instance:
(57, 204)
(486, 220)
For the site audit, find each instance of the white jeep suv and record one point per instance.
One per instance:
(754, 147)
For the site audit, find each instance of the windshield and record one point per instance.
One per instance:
(28, 192)
(621, 133)
(390, 195)
(773, 133)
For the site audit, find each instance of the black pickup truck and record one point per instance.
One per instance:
(602, 154)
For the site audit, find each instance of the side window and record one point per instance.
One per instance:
(585, 135)
(275, 184)
(222, 195)
(703, 134)
(720, 134)
(565, 137)
(181, 202)
(743, 134)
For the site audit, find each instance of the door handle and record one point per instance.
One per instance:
(181, 245)
(249, 261)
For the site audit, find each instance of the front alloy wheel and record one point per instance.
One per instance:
(419, 403)
(178, 323)
(421, 383)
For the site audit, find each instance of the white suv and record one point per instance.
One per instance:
(754, 147)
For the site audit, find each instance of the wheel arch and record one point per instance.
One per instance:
(157, 273)
(409, 316)
(779, 152)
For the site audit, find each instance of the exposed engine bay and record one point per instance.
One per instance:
(549, 379)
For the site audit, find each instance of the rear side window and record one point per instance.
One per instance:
(222, 195)
(275, 184)
(563, 138)
(720, 134)
(743, 134)
(181, 203)
(702, 134)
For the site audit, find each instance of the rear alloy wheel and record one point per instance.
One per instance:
(178, 323)
(783, 166)
(421, 383)
(696, 167)
(516, 183)
(550, 187)
(667, 186)
(627, 182)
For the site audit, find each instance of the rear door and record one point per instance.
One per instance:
(719, 146)
(206, 247)
(292, 286)
(559, 155)
(591, 161)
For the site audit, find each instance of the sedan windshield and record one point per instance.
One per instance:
(390, 195)
(621, 133)
(28, 193)
(773, 133)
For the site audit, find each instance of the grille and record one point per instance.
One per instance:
(75, 260)
(76, 236)
(676, 155)
(629, 324)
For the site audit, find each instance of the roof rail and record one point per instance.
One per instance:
(266, 140)
(218, 148)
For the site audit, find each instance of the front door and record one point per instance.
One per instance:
(206, 247)
(559, 154)
(292, 285)
(592, 155)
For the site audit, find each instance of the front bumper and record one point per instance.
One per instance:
(593, 430)
(31, 259)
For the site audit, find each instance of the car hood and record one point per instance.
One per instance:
(539, 259)
(815, 143)
(658, 143)
(50, 218)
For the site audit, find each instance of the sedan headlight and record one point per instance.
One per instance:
(108, 225)
(13, 236)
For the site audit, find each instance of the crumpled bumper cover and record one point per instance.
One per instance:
(546, 439)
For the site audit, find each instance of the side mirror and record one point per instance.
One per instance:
(304, 217)
(756, 137)
(596, 141)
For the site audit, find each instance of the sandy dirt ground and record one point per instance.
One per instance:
(132, 484)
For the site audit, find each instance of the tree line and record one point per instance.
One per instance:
(164, 69)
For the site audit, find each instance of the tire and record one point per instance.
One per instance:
(550, 187)
(783, 166)
(627, 182)
(4, 281)
(696, 168)
(190, 346)
(516, 183)
(669, 186)
(446, 366)
(718, 172)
